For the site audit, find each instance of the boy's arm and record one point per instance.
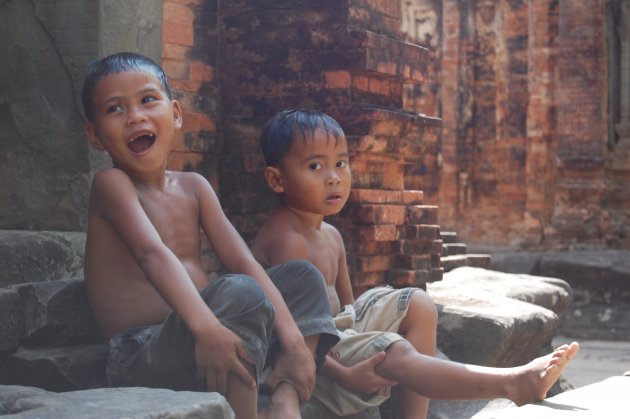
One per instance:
(115, 200)
(343, 287)
(361, 377)
(299, 368)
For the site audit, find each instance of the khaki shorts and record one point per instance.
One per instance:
(366, 328)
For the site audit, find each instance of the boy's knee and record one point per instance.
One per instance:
(424, 306)
(308, 273)
(244, 291)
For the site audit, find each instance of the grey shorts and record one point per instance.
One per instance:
(164, 355)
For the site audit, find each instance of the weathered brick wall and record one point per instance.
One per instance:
(346, 58)
(523, 157)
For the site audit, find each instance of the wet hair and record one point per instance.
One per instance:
(118, 63)
(285, 127)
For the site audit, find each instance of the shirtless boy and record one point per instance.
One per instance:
(308, 166)
(168, 325)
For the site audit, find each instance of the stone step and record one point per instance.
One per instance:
(450, 249)
(48, 313)
(32, 256)
(58, 368)
(449, 236)
(457, 261)
(132, 402)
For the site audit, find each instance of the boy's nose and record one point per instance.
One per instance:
(134, 115)
(334, 179)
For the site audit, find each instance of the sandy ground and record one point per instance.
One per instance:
(596, 361)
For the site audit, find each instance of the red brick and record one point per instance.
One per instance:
(178, 34)
(176, 69)
(361, 83)
(194, 122)
(337, 79)
(376, 233)
(373, 263)
(380, 214)
(412, 197)
(174, 51)
(422, 214)
(178, 14)
(375, 196)
(362, 281)
(401, 278)
(201, 72)
(413, 262)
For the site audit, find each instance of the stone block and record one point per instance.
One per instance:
(30, 256)
(492, 315)
(57, 312)
(450, 249)
(130, 402)
(551, 293)
(12, 324)
(62, 368)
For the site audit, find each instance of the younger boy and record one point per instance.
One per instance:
(168, 325)
(307, 165)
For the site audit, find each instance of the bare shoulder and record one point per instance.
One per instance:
(109, 188)
(278, 241)
(333, 234)
(190, 179)
(109, 176)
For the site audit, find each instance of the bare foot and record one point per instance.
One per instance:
(284, 403)
(534, 379)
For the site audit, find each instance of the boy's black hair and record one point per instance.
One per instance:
(118, 63)
(284, 127)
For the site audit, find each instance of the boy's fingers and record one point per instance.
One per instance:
(244, 375)
(211, 382)
(377, 358)
(221, 382)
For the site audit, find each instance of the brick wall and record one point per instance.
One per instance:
(523, 157)
(235, 64)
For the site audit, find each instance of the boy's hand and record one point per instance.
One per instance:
(219, 354)
(296, 366)
(361, 377)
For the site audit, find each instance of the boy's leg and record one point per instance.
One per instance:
(419, 327)
(304, 290)
(163, 355)
(443, 379)
(409, 312)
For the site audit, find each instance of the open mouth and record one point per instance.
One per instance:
(333, 197)
(141, 143)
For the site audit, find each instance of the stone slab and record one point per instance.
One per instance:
(490, 318)
(606, 399)
(103, 403)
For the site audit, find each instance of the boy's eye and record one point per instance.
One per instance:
(113, 108)
(315, 166)
(148, 99)
(342, 163)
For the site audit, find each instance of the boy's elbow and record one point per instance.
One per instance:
(152, 256)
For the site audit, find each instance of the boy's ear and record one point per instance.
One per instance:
(177, 114)
(274, 179)
(90, 131)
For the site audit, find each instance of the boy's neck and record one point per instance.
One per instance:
(306, 219)
(156, 181)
